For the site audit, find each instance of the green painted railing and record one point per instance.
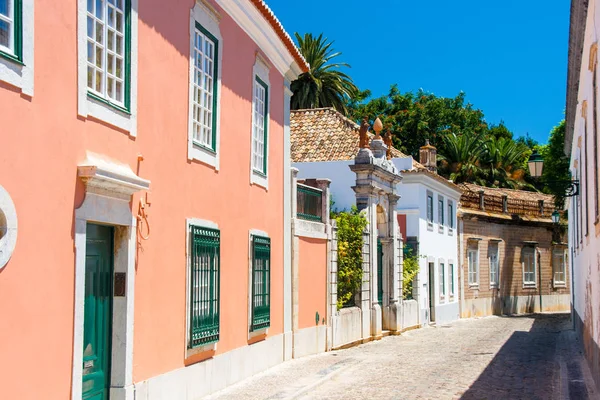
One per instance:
(310, 203)
(204, 291)
(261, 282)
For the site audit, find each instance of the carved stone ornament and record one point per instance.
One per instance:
(363, 134)
(387, 139)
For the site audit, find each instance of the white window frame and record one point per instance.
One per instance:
(188, 224)
(451, 274)
(261, 70)
(101, 110)
(450, 217)
(441, 213)
(442, 280)
(562, 253)
(473, 254)
(207, 17)
(10, 19)
(427, 217)
(526, 283)
(494, 283)
(20, 73)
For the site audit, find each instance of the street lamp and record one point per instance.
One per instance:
(536, 166)
(555, 217)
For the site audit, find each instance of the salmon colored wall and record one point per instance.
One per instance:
(313, 281)
(43, 140)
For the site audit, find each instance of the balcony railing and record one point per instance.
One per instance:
(310, 203)
(505, 205)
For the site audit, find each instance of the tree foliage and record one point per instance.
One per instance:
(410, 270)
(350, 242)
(324, 85)
(555, 175)
(469, 149)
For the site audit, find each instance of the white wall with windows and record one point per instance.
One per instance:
(430, 209)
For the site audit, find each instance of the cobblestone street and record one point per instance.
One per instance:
(528, 357)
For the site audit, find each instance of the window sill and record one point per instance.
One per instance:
(559, 285)
(474, 286)
(102, 110)
(201, 349)
(16, 73)
(204, 155)
(494, 286)
(258, 332)
(529, 286)
(11, 57)
(259, 179)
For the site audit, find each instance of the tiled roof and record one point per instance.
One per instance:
(323, 134)
(510, 193)
(266, 12)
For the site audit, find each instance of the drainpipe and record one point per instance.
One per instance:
(539, 257)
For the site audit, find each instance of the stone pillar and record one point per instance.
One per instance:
(376, 180)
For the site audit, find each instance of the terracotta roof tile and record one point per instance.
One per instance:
(264, 9)
(323, 134)
(511, 193)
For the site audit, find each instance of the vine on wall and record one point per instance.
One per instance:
(350, 243)
(410, 269)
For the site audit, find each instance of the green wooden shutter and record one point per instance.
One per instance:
(204, 285)
(261, 283)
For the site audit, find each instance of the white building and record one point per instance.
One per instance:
(324, 144)
(427, 214)
(581, 145)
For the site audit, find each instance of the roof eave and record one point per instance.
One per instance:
(576, 37)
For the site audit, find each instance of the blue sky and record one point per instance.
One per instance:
(508, 56)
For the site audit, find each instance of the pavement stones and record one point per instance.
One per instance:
(526, 357)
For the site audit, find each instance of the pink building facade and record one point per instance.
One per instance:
(145, 197)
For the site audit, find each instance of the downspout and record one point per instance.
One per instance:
(539, 258)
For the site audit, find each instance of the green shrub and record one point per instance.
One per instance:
(350, 242)
(409, 271)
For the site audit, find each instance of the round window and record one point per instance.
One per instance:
(8, 227)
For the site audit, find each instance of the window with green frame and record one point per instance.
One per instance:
(109, 51)
(204, 88)
(11, 29)
(204, 286)
(260, 125)
(261, 283)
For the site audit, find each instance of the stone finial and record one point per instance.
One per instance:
(377, 127)
(363, 134)
(387, 139)
(428, 156)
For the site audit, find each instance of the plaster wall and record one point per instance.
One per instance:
(312, 303)
(44, 134)
(437, 243)
(584, 250)
(342, 180)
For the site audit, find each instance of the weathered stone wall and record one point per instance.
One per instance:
(510, 296)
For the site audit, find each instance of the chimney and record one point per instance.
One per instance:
(428, 156)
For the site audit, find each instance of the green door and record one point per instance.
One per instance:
(97, 327)
(379, 271)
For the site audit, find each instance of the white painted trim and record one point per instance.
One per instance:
(247, 16)
(287, 222)
(309, 229)
(219, 372)
(88, 107)
(187, 352)
(207, 18)
(113, 211)
(261, 70)
(264, 331)
(432, 184)
(8, 227)
(21, 75)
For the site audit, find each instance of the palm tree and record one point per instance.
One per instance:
(460, 160)
(324, 85)
(504, 162)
